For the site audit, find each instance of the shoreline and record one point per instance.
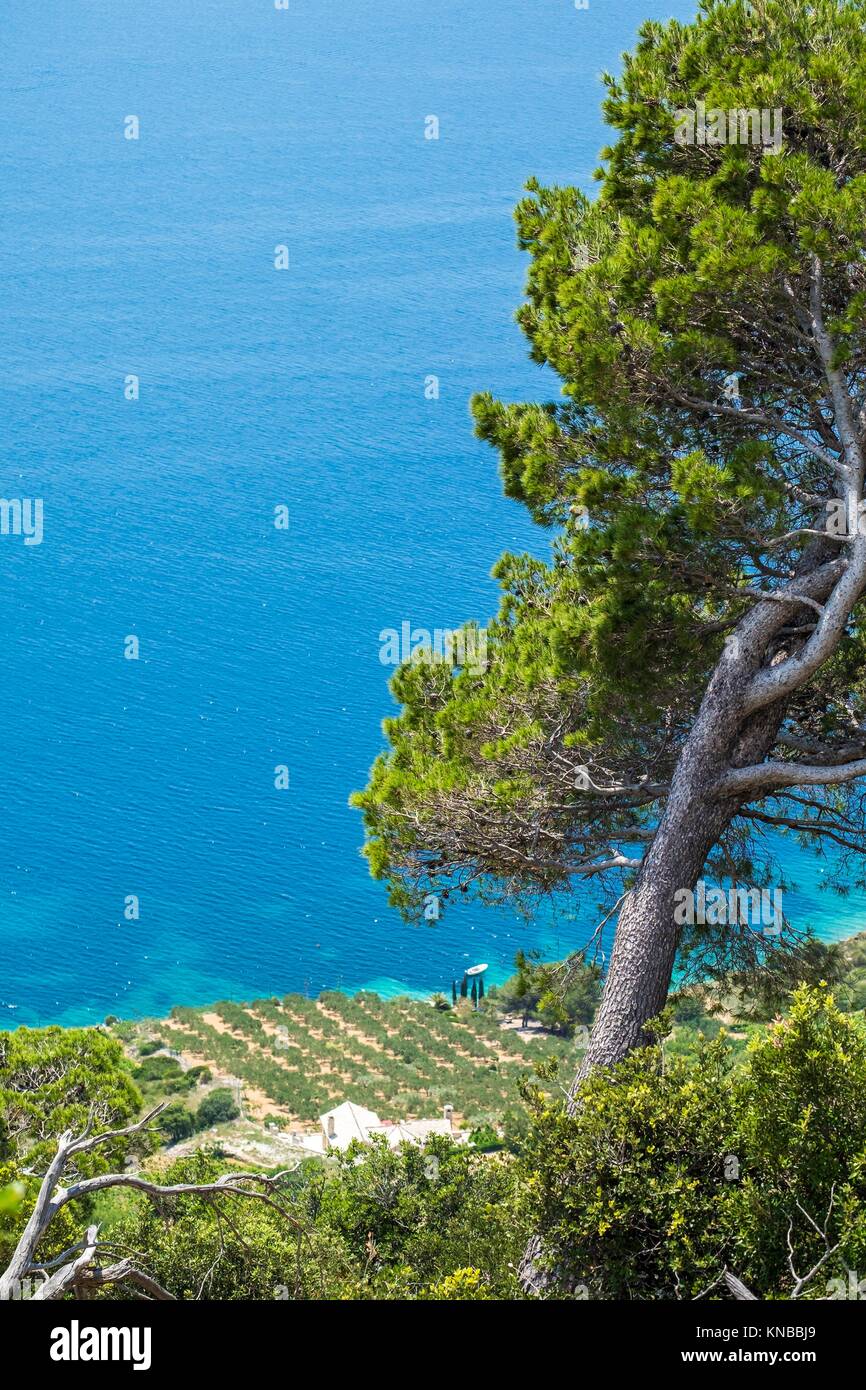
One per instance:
(393, 989)
(388, 994)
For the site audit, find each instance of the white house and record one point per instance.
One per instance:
(349, 1121)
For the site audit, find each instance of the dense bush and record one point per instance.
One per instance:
(217, 1107)
(434, 1224)
(672, 1169)
(177, 1122)
(413, 1218)
(159, 1076)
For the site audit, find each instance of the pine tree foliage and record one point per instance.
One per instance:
(702, 478)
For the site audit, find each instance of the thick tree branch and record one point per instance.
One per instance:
(743, 781)
(775, 683)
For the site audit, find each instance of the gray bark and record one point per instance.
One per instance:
(722, 764)
(725, 735)
(78, 1269)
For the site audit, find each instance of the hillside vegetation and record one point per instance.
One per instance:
(289, 1060)
(677, 1168)
(297, 1057)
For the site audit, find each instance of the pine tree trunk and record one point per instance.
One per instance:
(641, 967)
(694, 820)
(695, 817)
(642, 963)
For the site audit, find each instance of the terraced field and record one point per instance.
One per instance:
(299, 1057)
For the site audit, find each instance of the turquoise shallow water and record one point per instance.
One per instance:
(258, 388)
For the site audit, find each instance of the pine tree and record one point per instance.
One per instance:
(686, 675)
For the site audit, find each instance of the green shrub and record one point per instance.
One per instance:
(177, 1122)
(217, 1107)
(672, 1169)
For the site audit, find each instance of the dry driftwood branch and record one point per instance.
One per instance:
(79, 1266)
(734, 1286)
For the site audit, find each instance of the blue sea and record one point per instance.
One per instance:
(152, 781)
